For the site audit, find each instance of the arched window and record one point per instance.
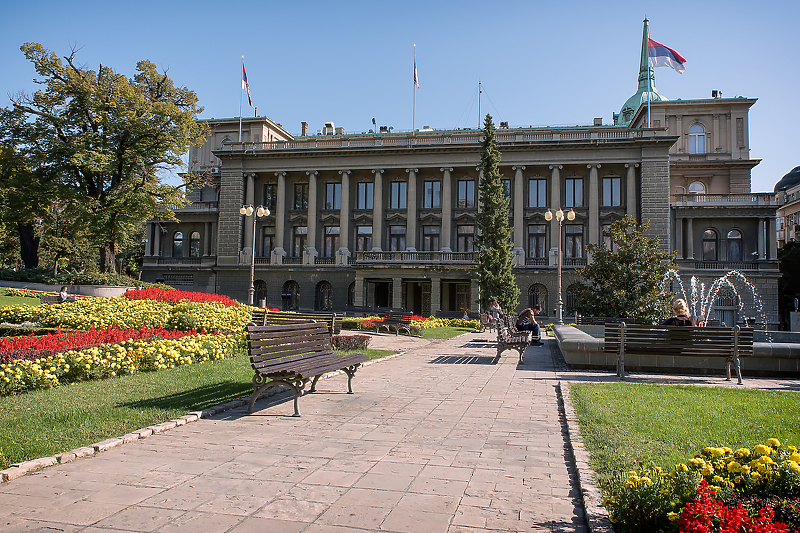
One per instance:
(725, 307)
(572, 299)
(290, 296)
(177, 244)
(324, 300)
(697, 139)
(697, 187)
(194, 244)
(351, 294)
(734, 245)
(260, 296)
(709, 245)
(537, 295)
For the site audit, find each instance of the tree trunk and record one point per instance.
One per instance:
(28, 246)
(107, 257)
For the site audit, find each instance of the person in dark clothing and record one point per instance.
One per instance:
(526, 321)
(682, 317)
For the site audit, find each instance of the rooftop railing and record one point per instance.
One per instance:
(754, 198)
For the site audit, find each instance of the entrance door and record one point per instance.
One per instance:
(383, 294)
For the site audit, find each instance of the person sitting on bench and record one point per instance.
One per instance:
(526, 321)
(681, 317)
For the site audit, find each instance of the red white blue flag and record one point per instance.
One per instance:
(246, 85)
(416, 79)
(664, 56)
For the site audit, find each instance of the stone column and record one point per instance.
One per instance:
(311, 219)
(689, 238)
(411, 211)
(280, 219)
(474, 295)
(519, 215)
(249, 198)
(555, 205)
(344, 220)
(630, 186)
(772, 235)
(762, 248)
(157, 240)
(716, 136)
(447, 215)
(148, 246)
(679, 127)
(358, 297)
(207, 240)
(436, 294)
(397, 293)
(680, 222)
(594, 205)
(377, 212)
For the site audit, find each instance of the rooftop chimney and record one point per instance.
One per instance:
(304, 128)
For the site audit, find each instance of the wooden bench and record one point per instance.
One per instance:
(487, 322)
(51, 299)
(600, 320)
(291, 355)
(394, 319)
(509, 337)
(265, 317)
(679, 341)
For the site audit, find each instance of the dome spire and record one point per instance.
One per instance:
(645, 70)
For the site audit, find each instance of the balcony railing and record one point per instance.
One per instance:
(324, 260)
(415, 257)
(726, 265)
(536, 261)
(732, 199)
(292, 260)
(199, 207)
(178, 260)
(574, 261)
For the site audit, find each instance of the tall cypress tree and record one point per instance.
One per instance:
(494, 229)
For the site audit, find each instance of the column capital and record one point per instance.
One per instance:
(345, 171)
(377, 171)
(281, 174)
(414, 170)
(634, 165)
(559, 167)
(446, 169)
(596, 165)
(518, 167)
(312, 172)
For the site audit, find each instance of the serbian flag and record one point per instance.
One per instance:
(246, 85)
(416, 80)
(664, 56)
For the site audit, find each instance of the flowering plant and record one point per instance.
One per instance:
(174, 296)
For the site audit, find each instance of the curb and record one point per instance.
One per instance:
(27, 467)
(596, 514)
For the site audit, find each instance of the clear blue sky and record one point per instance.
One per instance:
(541, 63)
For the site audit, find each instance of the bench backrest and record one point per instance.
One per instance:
(395, 316)
(600, 320)
(678, 340)
(274, 318)
(507, 329)
(270, 347)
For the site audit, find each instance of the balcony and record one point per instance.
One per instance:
(727, 266)
(574, 261)
(199, 207)
(417, 257)
(536, 261)
(730, 200)
(179, 261)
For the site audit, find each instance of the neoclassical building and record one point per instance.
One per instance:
(387, 219)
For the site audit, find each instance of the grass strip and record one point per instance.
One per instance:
(46, 422)
(447, 332)
(627, 424)
(5, 299)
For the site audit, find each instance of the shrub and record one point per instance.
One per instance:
(350, 342)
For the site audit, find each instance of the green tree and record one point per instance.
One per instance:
(628, 279)
(494, 230)
(102, 139)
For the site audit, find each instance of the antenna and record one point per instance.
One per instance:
(479, 103)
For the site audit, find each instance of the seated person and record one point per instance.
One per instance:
(526, 321)
(466, 316)
(63, 296)
(682, 317)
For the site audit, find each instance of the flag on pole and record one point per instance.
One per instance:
(246, 85)
(416, 79)
(664, 56)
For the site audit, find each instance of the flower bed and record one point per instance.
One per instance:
(175, 296)
(418, 323)
(708, 492)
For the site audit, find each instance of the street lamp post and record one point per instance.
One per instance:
(560, 217)
(260, 211)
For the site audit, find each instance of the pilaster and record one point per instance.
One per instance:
(594, 205)
(519, 215)
(310, 251)
(280, 220)
(555, 204)
(447, 214)
(229, 232)
(411, 211)
(655, 198)
(630, 185)
(377, 212)
(344, 220)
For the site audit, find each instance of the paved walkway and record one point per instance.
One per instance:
(436, 440)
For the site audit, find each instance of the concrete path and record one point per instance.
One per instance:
(436, 440)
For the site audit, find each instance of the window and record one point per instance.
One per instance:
(363, 238)
(430, 238)
(611, 192)
(397, 198)
(697, 187)
(177, 244)
(507, 189)
(270, 196)
(536, 241)
(431, 198)
(365, 194)
(290, 295)
(331, 241)
(537, 193)
(194, 244)
(697, 139)
(397, 238)
(267, 241)
(607, 242)
(725, 306)
(734, 245)
(573, 241)
(466, 194)
(466, 236)
(709, 245)
(324, 296)
(537, 295)
(333, 196)
(301, 196)
(300, 234)
(574, 192)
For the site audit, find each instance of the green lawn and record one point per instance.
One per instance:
(45, 422)
(15, 300)
(444, 333)
(625, 424)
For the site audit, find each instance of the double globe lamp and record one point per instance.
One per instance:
(548, 216)
(260, 211)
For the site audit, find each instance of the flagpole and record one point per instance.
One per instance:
(414, 89)
(240, 102)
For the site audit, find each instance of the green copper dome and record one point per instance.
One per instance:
(647, 86)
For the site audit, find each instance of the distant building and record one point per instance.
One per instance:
(788, 193)
(387, 218)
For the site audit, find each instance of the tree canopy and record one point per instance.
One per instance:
(97, 140)
(626, 278)
(494, 229)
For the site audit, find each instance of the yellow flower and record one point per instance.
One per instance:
(760, 449)
(775, 443)
(734, 467)
(756, 477)
(681, 468)
(741, 452)
(707, 470)
(673, 516)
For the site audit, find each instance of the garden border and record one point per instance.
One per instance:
(34, 465)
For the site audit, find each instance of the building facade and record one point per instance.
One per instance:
(388, 219)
